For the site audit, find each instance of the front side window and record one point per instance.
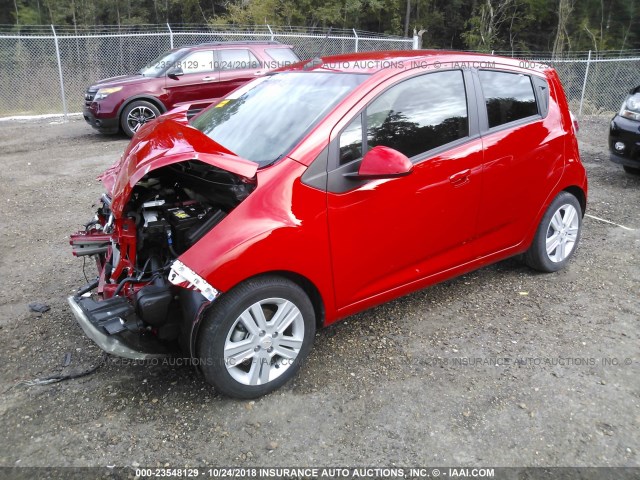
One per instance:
(161, 64)
(351, 141)
(197, 62)
(265, 119)
(508, 96)
(413, 117)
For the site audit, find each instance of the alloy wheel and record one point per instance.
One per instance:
(264, 341)
(138, 116)
(562, 233)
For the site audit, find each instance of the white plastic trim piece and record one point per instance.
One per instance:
(181, 274)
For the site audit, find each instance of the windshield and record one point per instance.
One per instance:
(264, 122)
(157, 67)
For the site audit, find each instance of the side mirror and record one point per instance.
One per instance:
(175, 72)
(382, 162)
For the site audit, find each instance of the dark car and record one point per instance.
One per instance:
(198, 75)
(624, 134)
(320, 191)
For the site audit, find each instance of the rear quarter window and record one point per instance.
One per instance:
(283, 56)
(508, 97)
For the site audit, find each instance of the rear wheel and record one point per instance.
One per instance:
(255, 338)
(631, 170)
(557, 236)
(137, 114)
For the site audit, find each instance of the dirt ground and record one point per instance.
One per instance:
(500, 367)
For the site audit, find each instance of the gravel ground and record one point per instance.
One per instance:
(429, 379)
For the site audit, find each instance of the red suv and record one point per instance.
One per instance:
(319, 191)
(197, 75)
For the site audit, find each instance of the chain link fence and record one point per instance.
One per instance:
(45, 70)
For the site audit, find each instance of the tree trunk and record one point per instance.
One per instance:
(564, 11)
(406, 19)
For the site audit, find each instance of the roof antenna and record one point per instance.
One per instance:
(316, 58)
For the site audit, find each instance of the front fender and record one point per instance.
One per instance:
(281, 226)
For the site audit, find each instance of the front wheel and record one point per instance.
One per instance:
(557, 236)
(136, 114)
(256, 336)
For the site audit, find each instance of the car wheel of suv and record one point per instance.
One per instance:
(557, 236)
(137, 114)
(255, 337)
(631, 170)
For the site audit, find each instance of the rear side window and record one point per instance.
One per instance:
(239, 59)
(414, 116)
(508, 96)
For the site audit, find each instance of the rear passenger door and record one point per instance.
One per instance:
(523, 155)
(236, 67)
(387, 233)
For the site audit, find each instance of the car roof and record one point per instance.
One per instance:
(398, 60)
(240, 43)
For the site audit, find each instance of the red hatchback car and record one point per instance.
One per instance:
(196, 75)
(319, 191)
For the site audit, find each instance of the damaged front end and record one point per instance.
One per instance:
(172, 187)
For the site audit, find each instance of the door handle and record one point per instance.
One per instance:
(460, 178)
(257, 74)
(208, 79)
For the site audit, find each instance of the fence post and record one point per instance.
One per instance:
(170, 35)
(64, 100)
(357, 39)
(271, 32)
(584, 84)
(416, 43)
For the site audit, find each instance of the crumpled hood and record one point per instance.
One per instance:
(161, 143)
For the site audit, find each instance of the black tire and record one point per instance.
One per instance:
(631, 170)
(537, 256)
(222, 323)
(144, 112)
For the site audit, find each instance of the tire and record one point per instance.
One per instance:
(631, 170)
(268, 353)
(137, 114)
(557, 236)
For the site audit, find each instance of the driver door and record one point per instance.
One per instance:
(387, 233)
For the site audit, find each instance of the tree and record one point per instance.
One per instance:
(484, 26)
(565, 7)
(515, 25)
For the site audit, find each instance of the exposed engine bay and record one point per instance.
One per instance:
(170, 209)
(176, 206)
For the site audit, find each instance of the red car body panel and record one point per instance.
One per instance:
(251, 243)
(460, 209)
